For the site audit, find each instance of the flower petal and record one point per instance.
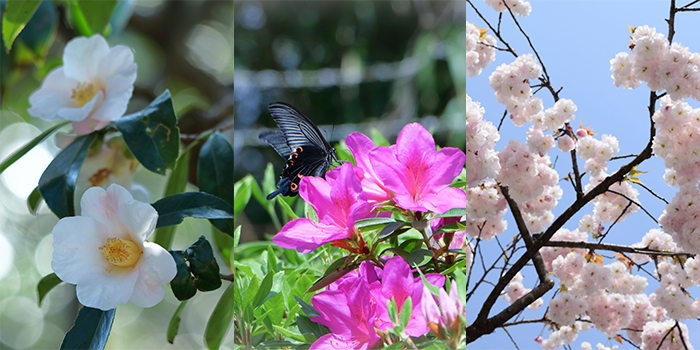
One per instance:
(106, 289)
(54, 94)
(81, 57)
(316, 191)
(305, 235)
(414, 144)
(157, 268)
(76, 243)
(138, 218)
(76, 114)
(449, 162)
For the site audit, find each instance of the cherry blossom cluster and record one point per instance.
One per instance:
(526, 174)
(664, 67)
(676, 141)
(656, 332)
(670, 295)
(596, 152)
(482, 159)
(487, 204)
(481, 50)
(614, 204)
(516, 290)
(657, 240)
(587, 346)
(555, 117)
(519, 7)
(564, 335)
(681, 219)
(512, 87)
(550, 253)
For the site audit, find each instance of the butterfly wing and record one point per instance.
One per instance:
(276, 139)
(298, 129)
(303, 162)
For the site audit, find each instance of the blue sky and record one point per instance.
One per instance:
(576, 40)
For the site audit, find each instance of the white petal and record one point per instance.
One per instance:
(54, 93)
(138, 218)
(101, 204)
(120, 60)
(82, 56)
(105, 289)
(76, 242)
(115, 104)
(157, 267)
(79, 114)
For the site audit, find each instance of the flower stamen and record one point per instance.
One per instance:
(121, 252)
(83, 94)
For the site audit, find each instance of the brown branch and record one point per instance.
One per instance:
(612, 247)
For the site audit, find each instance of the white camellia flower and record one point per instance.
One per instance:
(104, 251)
(91, 89)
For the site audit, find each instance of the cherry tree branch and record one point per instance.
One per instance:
(612, 247)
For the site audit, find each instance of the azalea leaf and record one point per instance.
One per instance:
(215, 174)
(332, 277)
(174, 324)
(220, 319)
(203, 265)
(307, 308)
(46, 284)
(264, 290)
(242, 190)
(389, 229)
(91, 329)
(17, 14)
(57, 183)
(173, 209)
(419, 257)
(152, 134)
(457, 212)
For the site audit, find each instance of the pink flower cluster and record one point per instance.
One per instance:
(657, 240)
(664, 67)
(527, 175)
(354, 307)
(482, 159)
(481, 51)
(597, 153)
(519, 7)
(486, 203)
(550, 253)
(671, 292)
(516, 290)
(511, 85)
(655, 332)
(554, 117)
(681, 219)
(677, 143)
(610, 206)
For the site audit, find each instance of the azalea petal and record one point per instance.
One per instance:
(316, 191)
(448, 198)
(397, 280)
(76, 114)
(360, 146)
(304, 235)
(106, 289)
(76, 243)
(414, 145)
(157, 267)
(449, 162)
(429, 307)
(335, 342)
(390, 171)
(82, 56)
(346, 196)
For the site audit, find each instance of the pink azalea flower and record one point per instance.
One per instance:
(338, 201)
(446, 320)
(360, 146)
(417, 174)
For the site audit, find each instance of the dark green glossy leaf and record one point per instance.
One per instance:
(224, 243)
(173, 209)
(307, 308)
(46, 284)
(390, 228)
(203, 265)
(16, 155)
(183, 284)
(220, 319)
(57, 183)
(90, 331)
(34, 200)
(152, 134)
(306, 326)
(373, 223)
(174, 324)
(331, 277)
(92, 17)
(17, 14)
(177, 182)
(419, 257)
(215, 174)
(40, 31)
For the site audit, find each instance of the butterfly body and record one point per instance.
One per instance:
(301, 143)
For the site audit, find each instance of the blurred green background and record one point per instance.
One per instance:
(366, 66)
(183, 46)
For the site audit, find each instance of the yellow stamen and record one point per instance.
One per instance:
(121, 252)
(83, 93)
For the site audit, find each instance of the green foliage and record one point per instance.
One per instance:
(57, 183)
(177, 183)
(173, 209)
(46, 284)
(152, 134)
(92, 17)
(220, 319)
(174, 324)
(91, 329)
(215, 174)
(17, 14)
(197, 269)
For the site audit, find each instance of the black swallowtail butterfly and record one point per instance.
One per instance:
(301, 143)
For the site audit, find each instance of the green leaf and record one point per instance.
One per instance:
(406, 311)
(183, 284)
(306, 326)
(177, 182)
(419, 257)
(457, 212)
(203, 265)
(91, 17)
(307, 308)
(40, 32)
(390, 228)
(175, 323)
(16, 155)
(263, 291)
(57, 183)
(34, 200)
(46, 284)
(364, 223)
(215, 174)
(220, 320)
(173, 209)
(152, 134)
(17, 14)
(242, 191)
(90, 331)
(224, 243)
